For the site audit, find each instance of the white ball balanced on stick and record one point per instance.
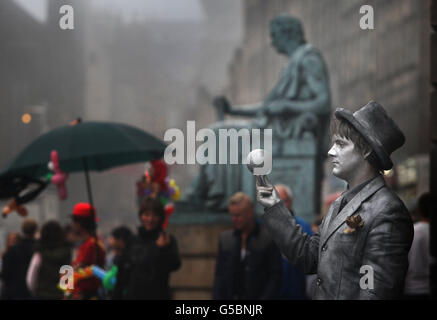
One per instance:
(255, 159)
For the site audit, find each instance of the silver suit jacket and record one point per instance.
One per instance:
(369, 263)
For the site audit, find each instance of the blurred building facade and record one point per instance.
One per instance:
(41, 74)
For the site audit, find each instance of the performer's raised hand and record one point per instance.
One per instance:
(266, 194)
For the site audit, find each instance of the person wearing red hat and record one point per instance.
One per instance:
(90, 252)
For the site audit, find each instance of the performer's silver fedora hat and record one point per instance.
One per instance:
(379, 130)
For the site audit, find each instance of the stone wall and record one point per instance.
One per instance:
(198, 247)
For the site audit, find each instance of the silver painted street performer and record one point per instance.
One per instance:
(366, 228)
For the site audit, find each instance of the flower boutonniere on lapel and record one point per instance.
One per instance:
(353, 223)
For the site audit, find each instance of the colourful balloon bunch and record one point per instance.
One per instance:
(173, 192)
(156, 184)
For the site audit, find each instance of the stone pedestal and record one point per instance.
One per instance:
(198, 248)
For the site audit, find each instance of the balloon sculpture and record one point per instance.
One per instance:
(59, 177)
(14, 206)
(156, 184)
(108, 278)
(14, 187)
(19, 190)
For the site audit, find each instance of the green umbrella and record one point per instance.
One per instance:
(86, 146)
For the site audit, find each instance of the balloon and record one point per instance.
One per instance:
(169, 209)
(163, 201)
(171, 191)
(49, 177)
(177, 193)
(13, 206)
(59, 177)
(51, 166)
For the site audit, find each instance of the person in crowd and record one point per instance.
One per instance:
(293, 285)
(51, 253)
(11, 239)
(417, 279)
(248, 264)
(90, 250)
(69, 235)
(16, 262)
(121, 243)
(316, 224)
(154, 255)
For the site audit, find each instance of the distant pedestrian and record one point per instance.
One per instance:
(11, 239)
(248, 262)
(121, 243)
(16, 262)
(51, 253)
(417, 279)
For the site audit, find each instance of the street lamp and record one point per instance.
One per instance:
(39, 110)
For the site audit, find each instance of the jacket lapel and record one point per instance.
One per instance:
(333, 208)
(352, 206)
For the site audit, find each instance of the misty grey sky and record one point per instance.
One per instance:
(37, 8)
(174, 10)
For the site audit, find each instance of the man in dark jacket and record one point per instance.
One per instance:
(362, 249)
(16, 261)
(248, 262)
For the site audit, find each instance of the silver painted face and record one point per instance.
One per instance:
(346, 159)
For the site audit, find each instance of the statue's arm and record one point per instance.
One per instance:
(313, 70)
(223, 106)
(246, 110)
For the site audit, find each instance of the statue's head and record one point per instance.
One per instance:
(286, 33)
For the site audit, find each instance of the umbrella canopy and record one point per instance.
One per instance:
(95, 146)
